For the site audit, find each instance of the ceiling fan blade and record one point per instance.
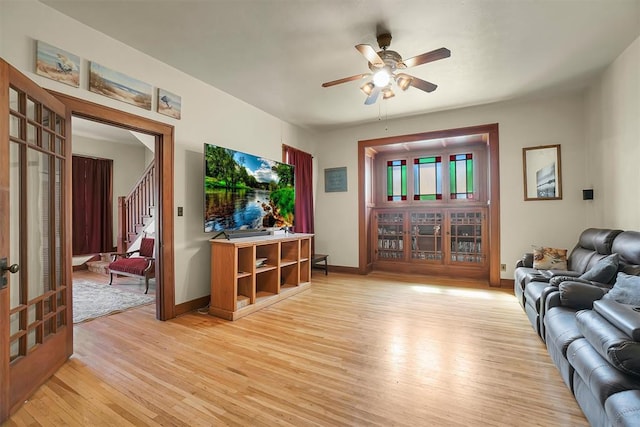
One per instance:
(346, 79)
(422, 84)
(370, 53)
(371, 99)
(434, 55)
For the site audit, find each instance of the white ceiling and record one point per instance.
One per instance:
(275, 54)
(102, 132)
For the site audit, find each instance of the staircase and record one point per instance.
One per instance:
(136, 211)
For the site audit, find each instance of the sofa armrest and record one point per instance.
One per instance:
(526, 260)
(553, 300)
(543, 299)
(623, 316)
(580, 295)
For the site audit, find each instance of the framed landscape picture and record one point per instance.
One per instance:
(119, 86)
(542, 173)
(169, 104)
(57, 64)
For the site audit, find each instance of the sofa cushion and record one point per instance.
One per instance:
(579, 295)
(626, 289)
(627, 245)
(603, 271)
(601, 377)
(610, 342)
(532, 294)
(599, 240)
(549, 258)
(561, 328)
(623, 409)
(133, 265)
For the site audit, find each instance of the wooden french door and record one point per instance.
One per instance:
(36, 328)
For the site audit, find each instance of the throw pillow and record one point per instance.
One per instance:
(579, 296)
(549, 259)
(603, 271)
(626, 289)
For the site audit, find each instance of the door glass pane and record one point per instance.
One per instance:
(31, 314)
(37, 194)
(13, 99)
(31, 109)
(58, 223)
(31, 338)
(46, 117)
(59, 125)
(14, 323)
(14, 222)
(61, 298)
(14, 350)
(48, 326)
(48, 304)
(14, 126)
(48, 141)
(31, 133)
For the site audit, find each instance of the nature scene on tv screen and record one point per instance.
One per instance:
(245, 192)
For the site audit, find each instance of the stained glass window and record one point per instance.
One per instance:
(396, 180)
(461, 176)
(427, 178)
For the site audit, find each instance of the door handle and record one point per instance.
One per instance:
(4, 267)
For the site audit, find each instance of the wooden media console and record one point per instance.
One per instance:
(250, 273)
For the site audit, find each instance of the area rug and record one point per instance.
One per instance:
(92, 300)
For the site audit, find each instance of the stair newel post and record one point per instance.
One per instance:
(122, 225)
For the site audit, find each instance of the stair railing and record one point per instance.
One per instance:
(135, 209)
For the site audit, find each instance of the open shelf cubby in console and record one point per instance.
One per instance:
(250, 273)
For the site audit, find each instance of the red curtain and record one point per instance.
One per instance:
(303, 173)
(92, 205)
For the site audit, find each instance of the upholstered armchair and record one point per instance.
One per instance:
(141, 266)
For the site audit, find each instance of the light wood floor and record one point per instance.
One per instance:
(352, 350)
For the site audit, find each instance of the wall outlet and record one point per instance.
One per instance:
(503, 267)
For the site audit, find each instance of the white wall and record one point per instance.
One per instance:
(128, 165)
(558, 120)
(208, 115)
(613, 111)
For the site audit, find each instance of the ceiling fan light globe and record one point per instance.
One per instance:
(367, 88)
(381, 78)
(387, 93)
(403, 82)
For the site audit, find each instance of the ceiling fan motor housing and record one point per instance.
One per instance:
(384, 40)
(391, 59)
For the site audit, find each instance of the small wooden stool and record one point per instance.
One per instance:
(316, 259)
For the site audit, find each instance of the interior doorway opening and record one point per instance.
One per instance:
(163, 140)
(111, 167)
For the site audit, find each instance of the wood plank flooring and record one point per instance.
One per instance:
(352, 350)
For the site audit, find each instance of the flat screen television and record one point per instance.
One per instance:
(244, 192)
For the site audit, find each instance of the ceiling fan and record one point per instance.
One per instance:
(383, 66)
